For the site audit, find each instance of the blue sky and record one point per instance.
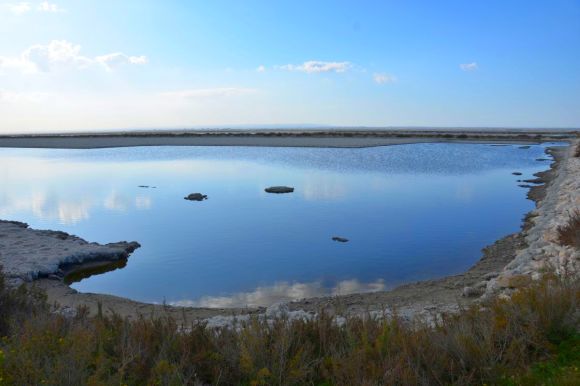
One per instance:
(87, 65)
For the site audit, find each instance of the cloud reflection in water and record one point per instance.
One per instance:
(283, 291)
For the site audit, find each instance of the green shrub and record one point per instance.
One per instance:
(496, 343)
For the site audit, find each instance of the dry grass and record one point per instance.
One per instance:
(477, 346)
(570, 233)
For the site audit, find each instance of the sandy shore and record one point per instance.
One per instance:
(45, 258)
(278, 138)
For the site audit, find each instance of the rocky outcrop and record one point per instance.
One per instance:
(279, 189)
(26, 254)
(195, 197)
(553, 211)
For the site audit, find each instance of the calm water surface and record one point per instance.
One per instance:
(410, 212)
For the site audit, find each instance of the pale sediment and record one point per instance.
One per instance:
(27, 254)
(543, 251)
(280, 138)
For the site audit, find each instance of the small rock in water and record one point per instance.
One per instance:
(340, 239)
(279, 189)
(525, 186)
(543, 159)
(517, 173)
(196, 197)
(525, 147)
(143, 186)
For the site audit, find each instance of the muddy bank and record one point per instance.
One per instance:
(27, 254)
(279, 138)
(558, 200)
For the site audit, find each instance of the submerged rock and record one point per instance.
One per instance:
(525, 186)
(279, 189)
(340, 239)
(196, 197)
(517, 173)
(525, 147)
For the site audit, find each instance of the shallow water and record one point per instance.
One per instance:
(410, 212)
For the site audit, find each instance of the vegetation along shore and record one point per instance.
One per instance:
(510, 319)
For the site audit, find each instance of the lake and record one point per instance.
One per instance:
(410, 212)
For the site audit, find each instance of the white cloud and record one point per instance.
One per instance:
(16, 64)
(42, 58)
(209, 92)
(12, 97)
(314, 67)
(469, 66)
(381, 78)
(138, 59)
(24, 7)
(261, 68)
(45, 6)
(17, 8)
(111, 61)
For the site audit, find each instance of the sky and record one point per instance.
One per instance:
(72, 65)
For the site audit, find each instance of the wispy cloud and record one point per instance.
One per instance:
(469, 66)
(10, 96)
(209, 92)
(382, 78)
(114, 60)
(43, 58)
(45, 6)
(24, 7)
(17, 8)
(261, 68)
(315, 67)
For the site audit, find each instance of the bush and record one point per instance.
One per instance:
(493, 343)
(570, 233)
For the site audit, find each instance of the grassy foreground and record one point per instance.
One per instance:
(532, 338)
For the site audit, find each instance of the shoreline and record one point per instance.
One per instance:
(446, 294)
(279, 138)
